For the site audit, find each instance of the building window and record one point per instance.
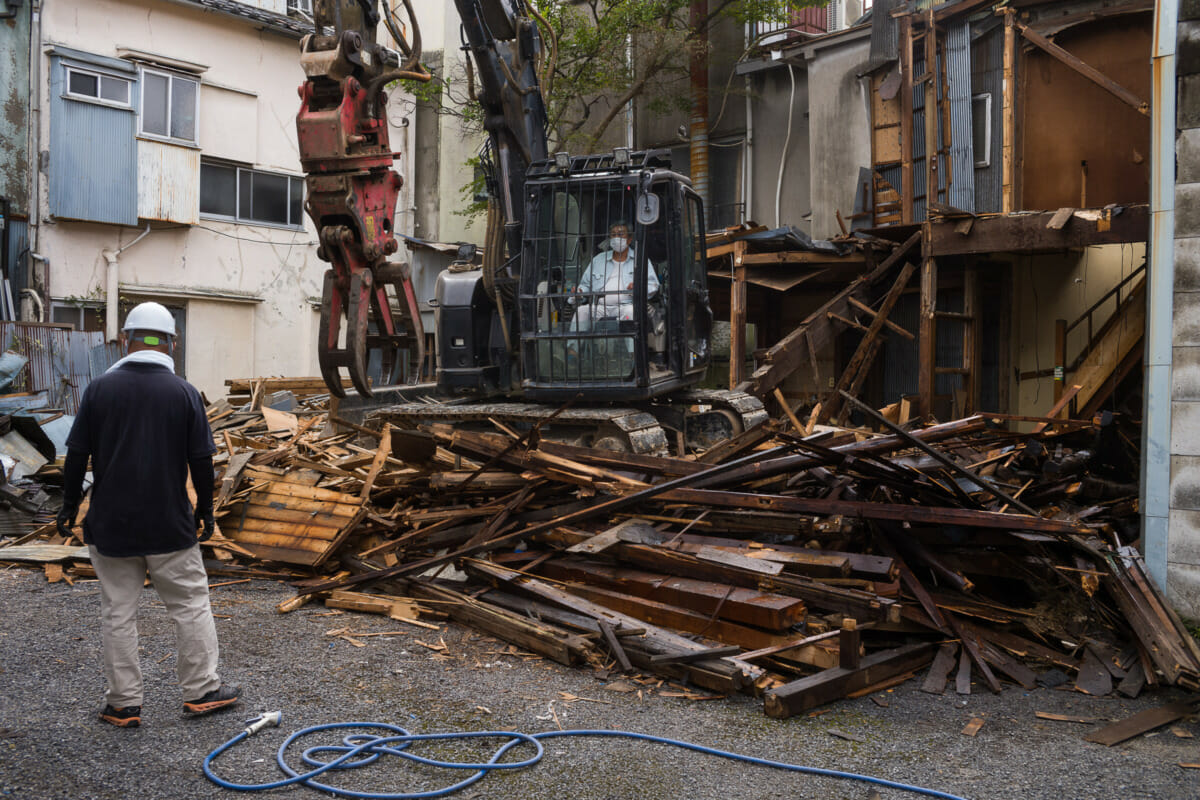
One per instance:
(302, 6)
(88, 85)
(170, 104)
(80, 316)
(250, 195)
(981, 129)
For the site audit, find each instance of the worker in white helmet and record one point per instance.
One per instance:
(144, 429)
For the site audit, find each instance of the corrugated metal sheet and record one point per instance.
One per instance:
(168, 182)
(987, 76)
(93, 164)
(885, 30)
(18, 257)
(919, 189)
(61, 361)
(958, 75)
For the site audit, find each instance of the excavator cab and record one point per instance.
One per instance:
(612, 292)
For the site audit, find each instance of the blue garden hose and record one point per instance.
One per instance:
(360, 749)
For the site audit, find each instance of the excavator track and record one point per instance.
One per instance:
(698, 419)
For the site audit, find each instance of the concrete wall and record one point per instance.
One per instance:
(1183, 540)
(839, 123)
(14, 107)
(772, 96)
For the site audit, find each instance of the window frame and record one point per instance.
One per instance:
(99, 75)
(986, 97)
(299, 6)
(171, 77)
(236, 218)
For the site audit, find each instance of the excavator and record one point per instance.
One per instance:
(588, 315)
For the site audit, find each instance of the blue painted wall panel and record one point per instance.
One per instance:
(93, 157)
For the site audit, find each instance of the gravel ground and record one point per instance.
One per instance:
(52, 746)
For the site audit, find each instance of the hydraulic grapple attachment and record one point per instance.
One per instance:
(351, 194)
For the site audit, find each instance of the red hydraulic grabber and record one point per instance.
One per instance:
(352, 190)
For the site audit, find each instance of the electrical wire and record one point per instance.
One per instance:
(362, 748)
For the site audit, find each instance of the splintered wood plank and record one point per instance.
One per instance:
(962, 681)
(972, 727)
(939, 671)
(263, 497)
(276, 486)
(277, 513)
(736, 604)
(1093, 678)
(680, 619)
(309, 530)
(1142, 722)
(291, 543)
(831, 684)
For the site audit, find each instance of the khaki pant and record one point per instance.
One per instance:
(182, 584)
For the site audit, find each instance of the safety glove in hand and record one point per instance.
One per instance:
(66, 517)
(205, 524)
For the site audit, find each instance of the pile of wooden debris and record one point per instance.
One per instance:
(800, 568)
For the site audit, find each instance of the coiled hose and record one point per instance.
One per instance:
(363, 748)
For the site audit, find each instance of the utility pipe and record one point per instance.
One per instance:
(1160, 277)
(33, 143)
(112, 290)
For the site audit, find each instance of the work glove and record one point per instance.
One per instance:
(66, 517)
(205, 524)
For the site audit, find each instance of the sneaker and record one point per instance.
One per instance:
(127, 717)
(221, 697)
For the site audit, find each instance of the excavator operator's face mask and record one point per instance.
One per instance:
(618, 241)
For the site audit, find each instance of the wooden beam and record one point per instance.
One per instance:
(832, 684)
(861, 306)
(1086, 70)
(811, 335)
(861, 361)
(737, 316)
(906, 121)
(1027, 233)
(927, 341)
(1008, 145)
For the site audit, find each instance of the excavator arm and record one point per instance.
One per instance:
(367, 303)
(505, 46)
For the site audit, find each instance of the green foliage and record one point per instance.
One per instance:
(590, 77)
(473, 193)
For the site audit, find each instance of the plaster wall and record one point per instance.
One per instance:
(1051, 287)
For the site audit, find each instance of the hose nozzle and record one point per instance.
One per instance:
(267, 718)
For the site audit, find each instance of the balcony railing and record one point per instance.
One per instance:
(801, 22)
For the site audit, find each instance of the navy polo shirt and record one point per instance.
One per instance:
(141, 424)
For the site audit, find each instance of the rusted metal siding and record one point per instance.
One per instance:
(987, 78)
(958, 76)
(14, 99)
(93, 166)
(62, 362)
(168, 182)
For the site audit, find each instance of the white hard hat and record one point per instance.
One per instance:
(150, 317)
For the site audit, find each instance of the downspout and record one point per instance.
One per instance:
(112, 307)
(748, 166)
(34, 144)
(1156, 426)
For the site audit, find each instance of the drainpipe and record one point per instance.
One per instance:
(112, 290)
(33, 143)
(1156, 416)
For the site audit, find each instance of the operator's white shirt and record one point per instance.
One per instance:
(611, 280)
